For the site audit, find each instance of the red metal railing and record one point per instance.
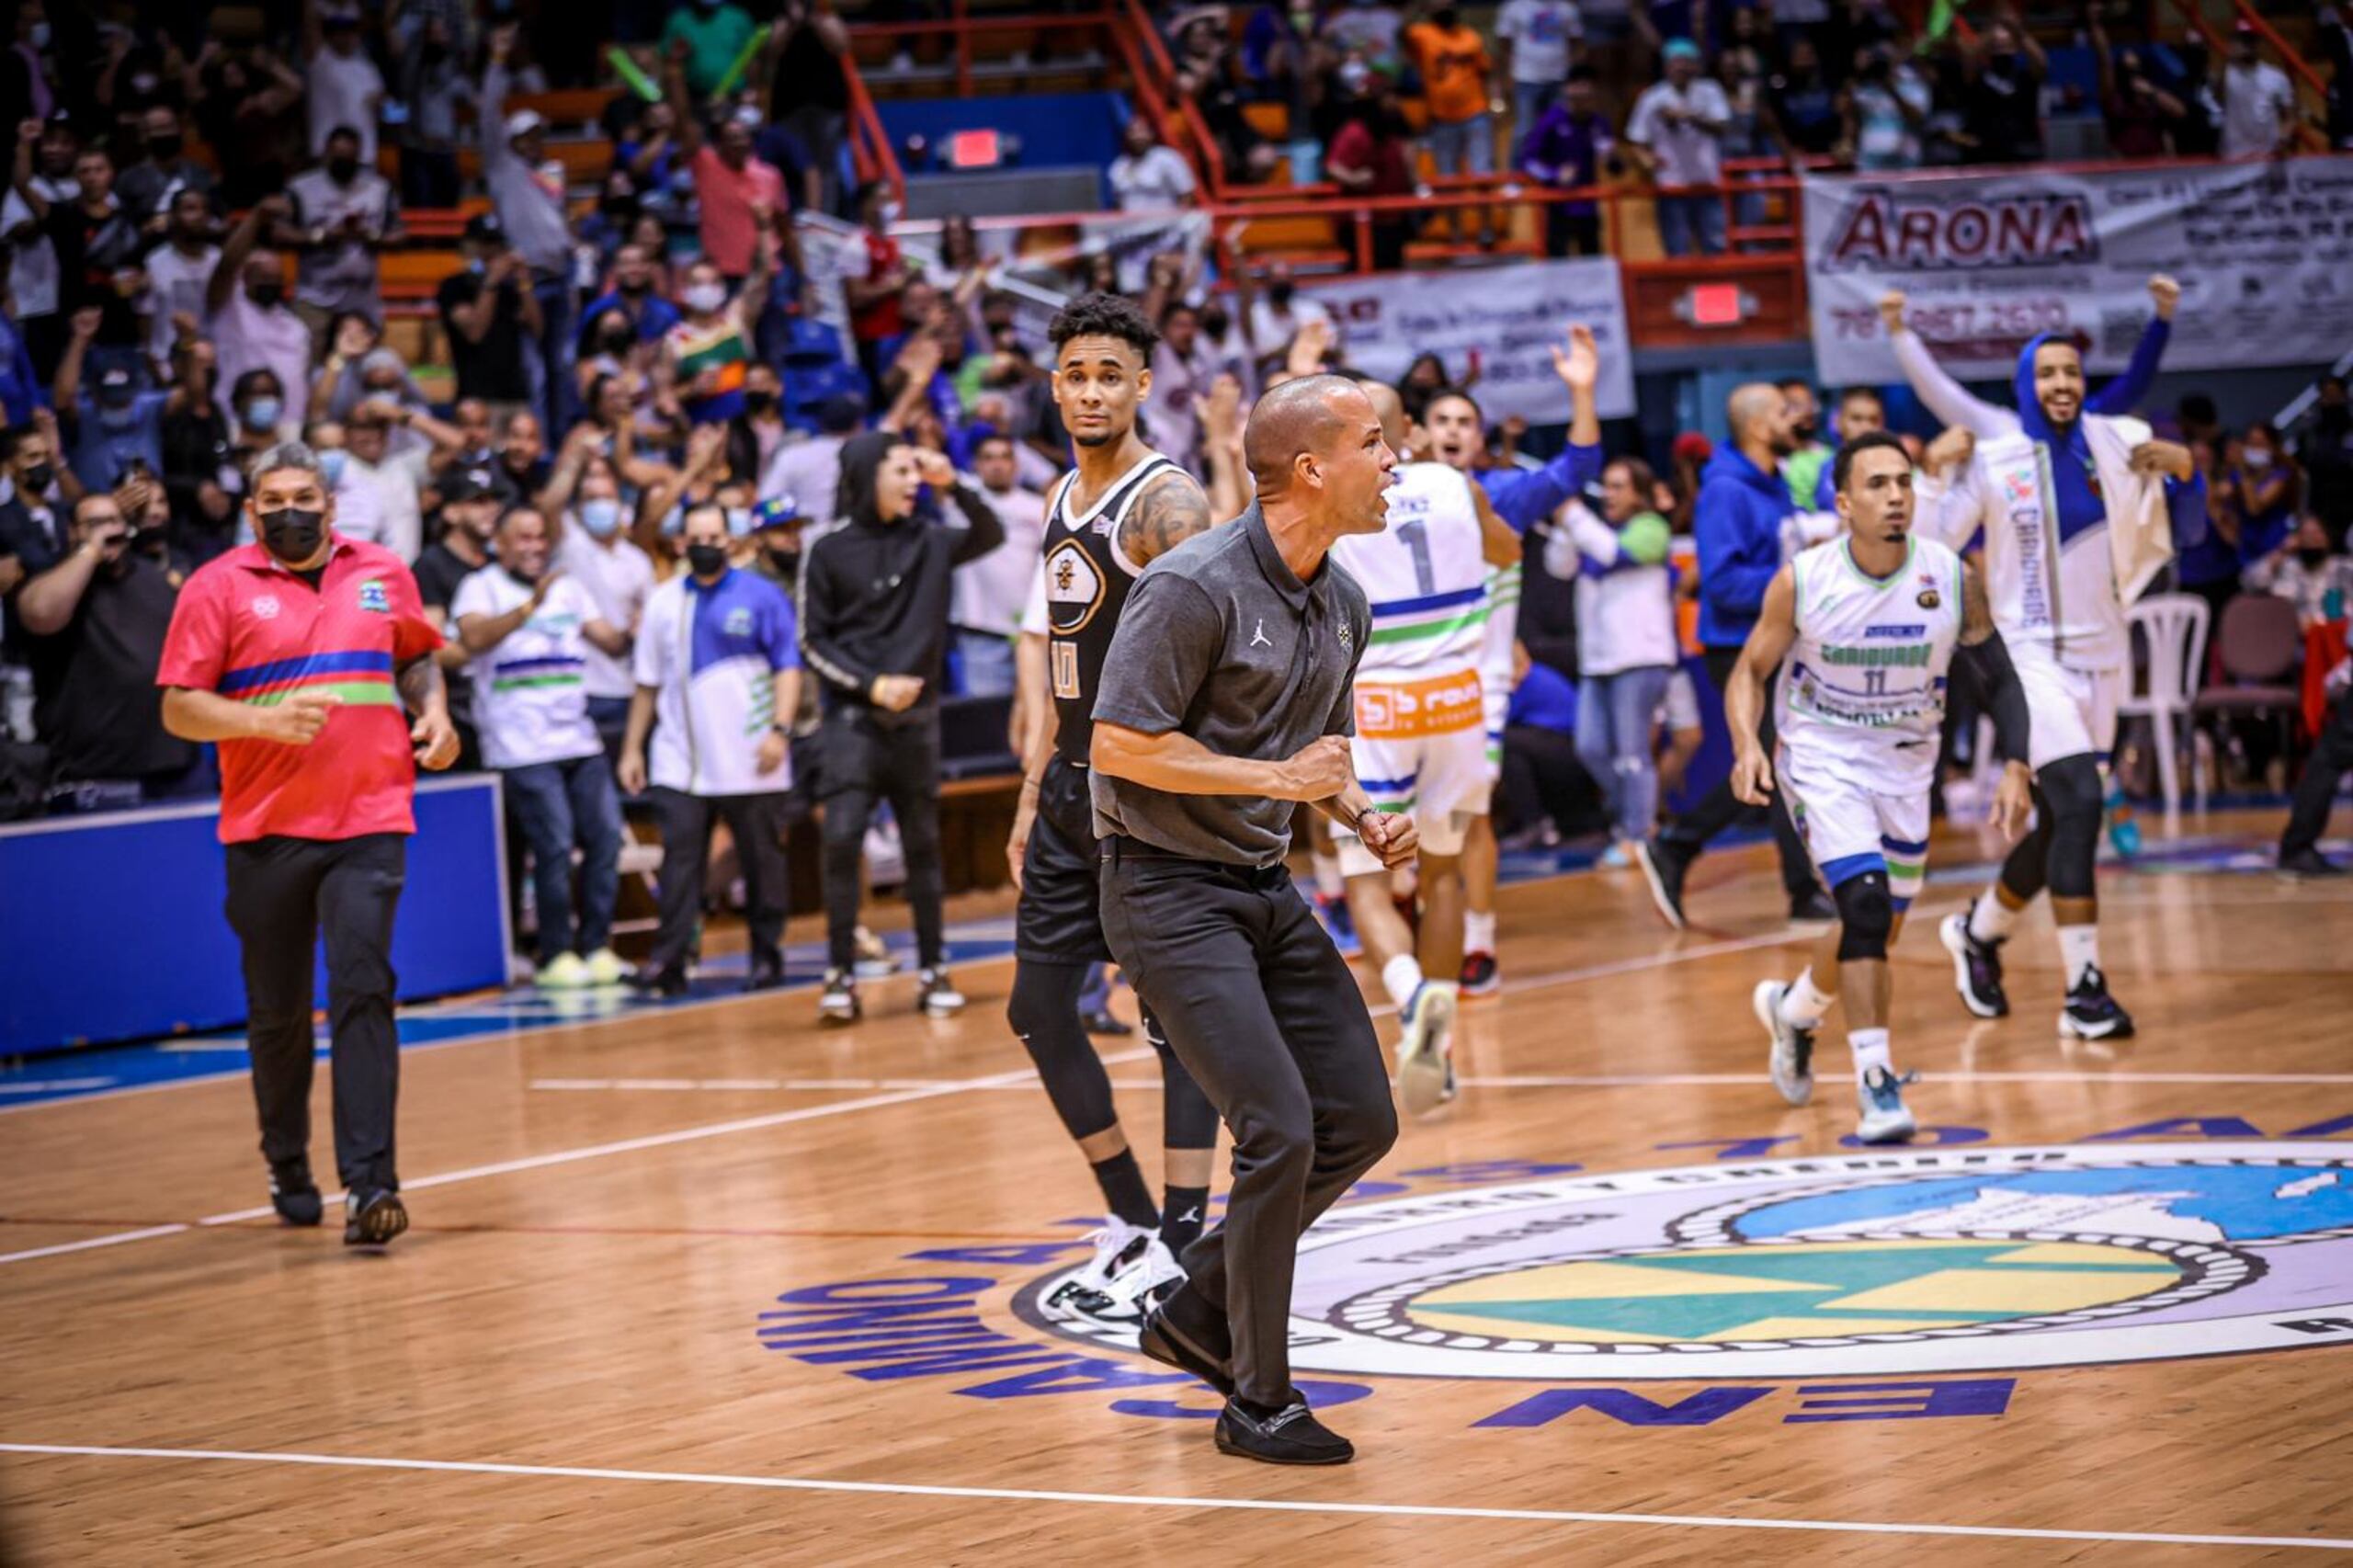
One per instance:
(2218, 45)
(870, 149)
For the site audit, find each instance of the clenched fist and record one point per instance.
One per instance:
(1319, 770)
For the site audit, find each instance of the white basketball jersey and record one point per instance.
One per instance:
(1862, 692)
(1425, 576)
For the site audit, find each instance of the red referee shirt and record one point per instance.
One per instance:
(249, 629)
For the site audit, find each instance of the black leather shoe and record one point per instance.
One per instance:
(1171, 1347)
(671, 982)
(767, 972)
(1289, 1436)
(372, 1216)
(293, 1194)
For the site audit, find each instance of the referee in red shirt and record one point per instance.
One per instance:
(306, 656)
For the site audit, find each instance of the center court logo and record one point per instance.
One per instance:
(1890, 1264)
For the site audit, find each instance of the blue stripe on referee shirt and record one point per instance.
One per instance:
(357, 662)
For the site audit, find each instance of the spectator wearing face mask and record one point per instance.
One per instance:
(593, 548)
(344, 214)
(738, 193)
(96, 243)
(1455, 69)
(260, 411)
(491, 316)
(717, 661)
(115, 424)
(709, 351)
(248, 319)
(148, 188)
(472, 501)
(200, 474)
(1277, 316)
(95, 625)
(874, 609)
(2306, 571)
(527, 628)
(34, 533)
(1565, 149)
(2261, 485)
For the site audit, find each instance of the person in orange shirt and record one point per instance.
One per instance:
(1455, 69)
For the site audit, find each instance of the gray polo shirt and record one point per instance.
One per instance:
(1221, 640)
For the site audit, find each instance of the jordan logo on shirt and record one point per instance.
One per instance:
(1259, 638)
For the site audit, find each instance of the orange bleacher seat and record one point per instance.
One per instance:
(566, 106)
(410, 275)
(1270, 121)
(585, 161)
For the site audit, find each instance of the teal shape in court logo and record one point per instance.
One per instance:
(1899, 1263)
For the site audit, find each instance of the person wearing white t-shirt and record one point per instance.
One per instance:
(718, 659)
(1539, 37)
(1677, 132)
(178, 271)
(342, 86)
(526, 631)
(809, 471)
(986, 595)
(1276, 318)
(593, 548)
(391, 447)
(2258, 101)
(1148, 176)
(247, 318)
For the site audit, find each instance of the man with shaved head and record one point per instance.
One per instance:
(1226, 699)
(1742, 506)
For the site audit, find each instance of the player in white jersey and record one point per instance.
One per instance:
(2079, 511)
(1865, 630)
(1522, 498)
(1421, 742)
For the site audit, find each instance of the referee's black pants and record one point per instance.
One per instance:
(1262, 1011)
(1720, 808)
(283, 893)
(757, 823)
(866, 761)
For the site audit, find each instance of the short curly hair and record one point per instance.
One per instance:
(1105, 315)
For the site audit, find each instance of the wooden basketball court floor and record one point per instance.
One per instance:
(707, 1285)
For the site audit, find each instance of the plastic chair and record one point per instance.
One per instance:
(2259, 645)
(2164, 689)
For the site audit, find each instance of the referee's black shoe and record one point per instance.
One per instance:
(293, 1194)
(664, 982)
(372, 1216)
(1289, 1436)
(1172, 1347)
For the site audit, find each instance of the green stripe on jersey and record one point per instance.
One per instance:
(351, 693)
(1430, 628)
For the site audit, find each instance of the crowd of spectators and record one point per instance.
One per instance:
(623, 403)
(1572, 95)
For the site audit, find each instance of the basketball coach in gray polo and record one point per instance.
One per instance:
(1225, 700)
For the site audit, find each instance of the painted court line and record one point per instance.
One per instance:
(599, 1151)
(1146, 1500)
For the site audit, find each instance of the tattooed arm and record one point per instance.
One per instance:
(1171, 510)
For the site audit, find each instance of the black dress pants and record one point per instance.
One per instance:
(1262, 1011)
(867, 761)
(758, 823)
(1721, 808)
(283, 893)
(2331, 759)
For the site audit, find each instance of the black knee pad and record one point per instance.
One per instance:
(2072, 785)
(1043, 1010)
(1866, 916)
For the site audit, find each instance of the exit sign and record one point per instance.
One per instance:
(974, 150)
(1715, 304)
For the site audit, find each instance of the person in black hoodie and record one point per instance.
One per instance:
(874, 627)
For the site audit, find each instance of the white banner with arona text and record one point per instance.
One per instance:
(1988, 261)
(1501, 321)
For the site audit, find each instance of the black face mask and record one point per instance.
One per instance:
(760, 401)
(294, 533)
(2312, 557)
(267, 296)
(37, 479)
(1805, 429)
(341, 170)
(1215, 325)
(1281, 294)
(163, 149)
(633, 289)
(707, 560)
(433, 53)
(618, 343)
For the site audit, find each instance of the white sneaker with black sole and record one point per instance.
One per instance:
(837, 1004)
(937, 994)
(1423, 1050)
(1791, 1063)
(1087, 1289)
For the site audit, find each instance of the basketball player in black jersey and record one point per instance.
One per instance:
(1123, 506)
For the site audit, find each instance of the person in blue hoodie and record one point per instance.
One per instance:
(1737, 524)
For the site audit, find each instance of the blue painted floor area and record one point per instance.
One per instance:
(110, 1069)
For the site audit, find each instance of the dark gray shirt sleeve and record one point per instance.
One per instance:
(1343, 720)
(1167, 643)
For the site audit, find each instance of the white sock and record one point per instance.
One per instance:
(1478, 931)
(1329, 884)
(1989, 919)
(2078, 950)
(1804, 1003)
(1401, 976)
(1870, 1046)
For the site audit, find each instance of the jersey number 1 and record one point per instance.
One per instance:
(1417, 535)
(1066, 656)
